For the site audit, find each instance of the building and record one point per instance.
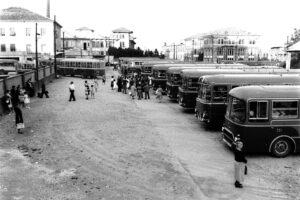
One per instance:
(174, 51)
(19, 29)
(84, 42)
(122, 38)
(220, 46)
(277, 53)
(230, 45)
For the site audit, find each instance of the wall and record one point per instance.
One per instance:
(45, 75)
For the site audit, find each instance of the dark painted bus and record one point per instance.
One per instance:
(174, 78)
(148, 65)
(264, 118)
(188, 90)
(80, 67)
(213, 91)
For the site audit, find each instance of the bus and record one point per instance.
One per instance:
(213, 91)
(264, 118)
(174, 78)
(9, 65)
(148, 65)
(188, 90)
(80, 67)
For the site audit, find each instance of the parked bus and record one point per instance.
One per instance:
(80, 67)
(264, 118)
(174, 78)
(148, 65)
(187, 95)
(188, 90)
(213, 91)
(9, 65)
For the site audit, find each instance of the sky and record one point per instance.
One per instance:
(155, 22)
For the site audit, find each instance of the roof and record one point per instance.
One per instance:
(263, 91)
(79, 60)
(21, 14)
(84, 29)
(230, 31)
(197, 73)
(294, 47)
(256, 79)
(83, 33)
(122, 30)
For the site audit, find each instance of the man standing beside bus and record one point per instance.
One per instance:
(239, 165)
(72, 91)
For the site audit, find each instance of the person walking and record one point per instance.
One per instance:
(239, 164)
(158, 93)
(132, 91)
(146, 90)
(44, 91)
(19, 119)
(87, 92)
(92, 90)
(112, 81)
(139, 91)
(72, 91)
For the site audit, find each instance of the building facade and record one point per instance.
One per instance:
(230, 45)
(19, 29)
(123, 38)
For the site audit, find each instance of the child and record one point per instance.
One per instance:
(92, 91)
(96, 85)
(26, 100)
(159, 92)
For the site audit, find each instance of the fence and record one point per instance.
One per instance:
(45, 75)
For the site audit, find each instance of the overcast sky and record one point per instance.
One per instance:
(154, 22)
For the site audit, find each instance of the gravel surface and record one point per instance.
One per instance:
(113, 147)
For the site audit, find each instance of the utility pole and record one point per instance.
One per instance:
(212, 50)
(36, 56)
(54, 35)
(174, 52)
(64, 44)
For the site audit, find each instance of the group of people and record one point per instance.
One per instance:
(136, 85)
(89, 89)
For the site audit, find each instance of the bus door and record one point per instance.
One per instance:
(258, 129)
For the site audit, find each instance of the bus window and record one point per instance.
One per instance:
(220, 93)
(161, 74)
(238, 110)
(89, 65)
(285, 109)
(78, 64)
(73, 64)
(258, 110)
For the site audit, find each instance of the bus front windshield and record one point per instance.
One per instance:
(237, 111)
(205, 92)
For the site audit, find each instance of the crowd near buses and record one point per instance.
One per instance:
(258, 105)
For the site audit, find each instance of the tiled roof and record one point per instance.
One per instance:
(295, 47)
(122, 30)
(20, 14)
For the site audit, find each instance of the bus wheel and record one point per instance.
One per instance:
(281, 147)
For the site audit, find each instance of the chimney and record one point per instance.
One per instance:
(48, 8)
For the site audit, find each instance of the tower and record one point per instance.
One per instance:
(48, 8)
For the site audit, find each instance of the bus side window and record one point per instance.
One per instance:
(258, 111)
(285, 109)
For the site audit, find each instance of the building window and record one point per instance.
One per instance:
(2, 31)
(43, 31)
(28, 48)
(28, 31)
(12, 47)
(3, 48)
(12, 32)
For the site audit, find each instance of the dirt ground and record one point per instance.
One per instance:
(112, 148)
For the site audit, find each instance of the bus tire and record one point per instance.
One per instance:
(281, 148)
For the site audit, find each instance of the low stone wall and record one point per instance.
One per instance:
(44, 75)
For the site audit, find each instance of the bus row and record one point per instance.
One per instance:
(209, 90)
